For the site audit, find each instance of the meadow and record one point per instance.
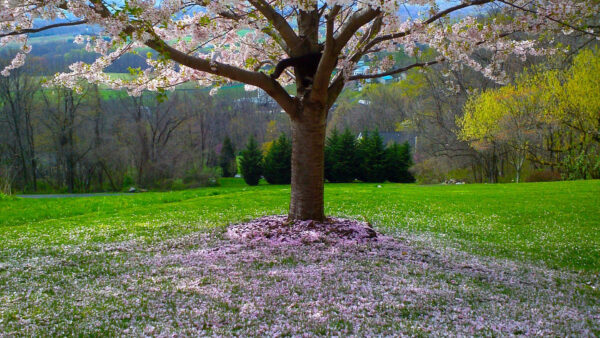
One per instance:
(464, 259)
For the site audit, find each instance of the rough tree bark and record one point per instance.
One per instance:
(308, 144)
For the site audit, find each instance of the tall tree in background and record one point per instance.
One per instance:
(398, 160)
(62, 114)
(341, 159)
(342, 32)
(332, 145)
(542, 111)
(17, 92)
(151, 125)
(227, 158)
(251, 162)
(277, 165)
(371, 152)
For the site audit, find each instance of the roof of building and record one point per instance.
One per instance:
(396, 137)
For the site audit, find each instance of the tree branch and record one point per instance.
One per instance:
(356, 21)
(329, 58)
(394, 71)
(279, 23)
(257, 79)
(334, 91)
(433, 18)
(549, 18)
(253, 78)
(335, 43)
(41, 29)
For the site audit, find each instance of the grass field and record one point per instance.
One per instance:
(129, 264)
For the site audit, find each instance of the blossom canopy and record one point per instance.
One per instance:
(214, 42)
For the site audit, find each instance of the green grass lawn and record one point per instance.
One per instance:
(554, 223)
(483, 260)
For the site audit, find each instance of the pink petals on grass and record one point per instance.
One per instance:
(270, 277)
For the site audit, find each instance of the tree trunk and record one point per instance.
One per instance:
(308, 144)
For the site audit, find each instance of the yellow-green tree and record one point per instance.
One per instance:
(503, 117)
(579, 97)
(549, 111)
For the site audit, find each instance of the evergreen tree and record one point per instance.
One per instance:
(227, 158)
(341, 157)
(372, 158)
(332, 144)
(362, 146)
(398, 161)
(277, 166)
(251, 162)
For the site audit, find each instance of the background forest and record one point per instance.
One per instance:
(543, 124)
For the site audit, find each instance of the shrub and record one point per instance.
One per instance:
(227, 158)
(127, 182)
(546, 175)
(431, 171)
(398, 160)
(4, 197)
(277, 166)
(341, 157)
(581, 166)
(371, 152)
(201, 177)
(251, 162)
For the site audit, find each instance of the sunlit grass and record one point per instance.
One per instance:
(160, 264)
(553, 223)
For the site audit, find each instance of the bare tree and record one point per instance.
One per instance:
(61, 116)
(17, 93)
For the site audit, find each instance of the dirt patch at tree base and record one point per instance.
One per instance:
(277, 230)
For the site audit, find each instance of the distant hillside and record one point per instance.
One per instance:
(70, 30)
(54, 53)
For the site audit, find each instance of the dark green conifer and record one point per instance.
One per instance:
(372, 158)
(398, 161)
(251, 163)
(277, 166)
(341, 157)
(227, 158)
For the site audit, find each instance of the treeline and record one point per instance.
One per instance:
(58, 140)
(461, 126)
(348, 157)
(542, 126)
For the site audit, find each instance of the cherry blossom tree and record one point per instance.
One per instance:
(220, 41)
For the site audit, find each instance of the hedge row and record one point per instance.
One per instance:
(346, 159)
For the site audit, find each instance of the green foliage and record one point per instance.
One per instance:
(227, 158)
(277, 165)
(371, 152)
(341, 157)
(4, 197)
(398, 160)
(127, 182)
(557, 110)
(251, 162)
(581, 166)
